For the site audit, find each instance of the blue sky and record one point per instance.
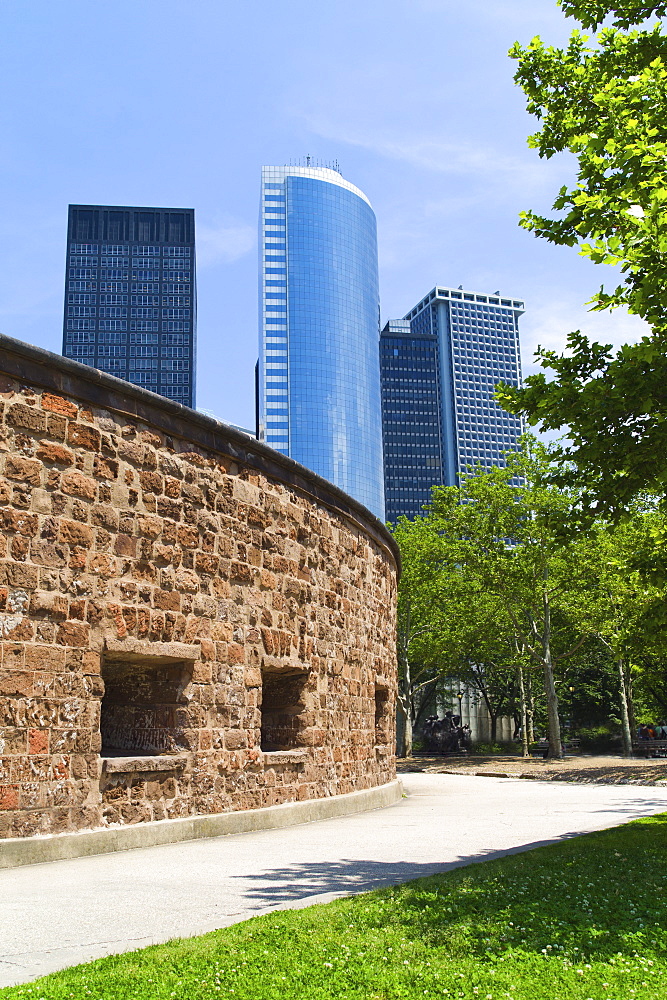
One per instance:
(157, 102)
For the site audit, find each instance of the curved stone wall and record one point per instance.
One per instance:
(190, 623)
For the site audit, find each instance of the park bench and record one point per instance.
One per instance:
(649, 748)
(540, 747)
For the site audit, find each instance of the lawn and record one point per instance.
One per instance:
(585, 919)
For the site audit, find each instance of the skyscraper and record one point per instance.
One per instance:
(440, 366)
(318, 377)
(130, 295)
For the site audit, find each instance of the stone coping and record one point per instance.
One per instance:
(273, 757)
(19, 851)
(165, 652)
(125, 763)
(131, 763)
(36, 366)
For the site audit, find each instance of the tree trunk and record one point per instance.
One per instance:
(555, 745)
(631, 700)
(407, 735)
(625, 713)
(494, 727)
(524, 714)
(555, 750)
(405, 707)
(530, 709)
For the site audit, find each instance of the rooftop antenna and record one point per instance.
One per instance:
(308, 160)
(461, 286)
(497, 293)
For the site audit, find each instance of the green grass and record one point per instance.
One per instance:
(585, 918)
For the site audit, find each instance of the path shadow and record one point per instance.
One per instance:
(350, 876)
(276, 886)
(578, 915)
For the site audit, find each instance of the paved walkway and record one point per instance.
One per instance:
(66, 912)
(608, 770)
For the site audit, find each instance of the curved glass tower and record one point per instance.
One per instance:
(319, 376)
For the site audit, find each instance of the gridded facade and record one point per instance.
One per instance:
(130, 296)
(411, 418)
(474, 342)
(318, 378)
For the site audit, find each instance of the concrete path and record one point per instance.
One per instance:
(59, 914)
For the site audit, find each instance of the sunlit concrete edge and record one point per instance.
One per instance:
(19, 851)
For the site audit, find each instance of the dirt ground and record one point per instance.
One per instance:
(573, 767)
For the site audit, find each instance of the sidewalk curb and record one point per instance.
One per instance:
(19, 851)
(657, 782)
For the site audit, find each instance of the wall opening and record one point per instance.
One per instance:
(382, 715)
(144, 709)
(283, 707)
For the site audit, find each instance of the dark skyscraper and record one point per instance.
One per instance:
(411, 417)
(130, 295)
(439, 367)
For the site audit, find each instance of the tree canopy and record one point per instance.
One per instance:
(591, 13)
(606, 103)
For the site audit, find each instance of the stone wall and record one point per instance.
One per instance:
(190, 623)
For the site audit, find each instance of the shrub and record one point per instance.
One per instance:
(599, 739)
(494, 748)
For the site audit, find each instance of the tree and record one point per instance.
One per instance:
(418, 621)
(507, 529)
(477, 645)
(448, 627)
(591, 13)
(607, 105)
(618, 601)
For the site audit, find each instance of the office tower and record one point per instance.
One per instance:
(130, 295)
(439, 367)
(318, 381)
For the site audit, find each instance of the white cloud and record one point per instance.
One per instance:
(465, 158)
(224, 243)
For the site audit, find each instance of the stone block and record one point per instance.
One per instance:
(25, 416)
(9, 796)
(75, 533)
(125, 545)
(25, 470)
(77, 485)
(60, 405)
(16, 683)
(19, 521)
(55, 454)
(81, 437)
(73, 633)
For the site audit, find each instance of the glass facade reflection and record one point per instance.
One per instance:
(130, 296)
(319, 380)
(440, 366)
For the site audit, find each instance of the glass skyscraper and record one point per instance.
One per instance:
(440, 366)
(130, 295)
(318, 376)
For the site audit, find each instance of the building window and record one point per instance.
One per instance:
(143, 703)
(113, 324)
(283, 706)
(382, 714)
(81, 350)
